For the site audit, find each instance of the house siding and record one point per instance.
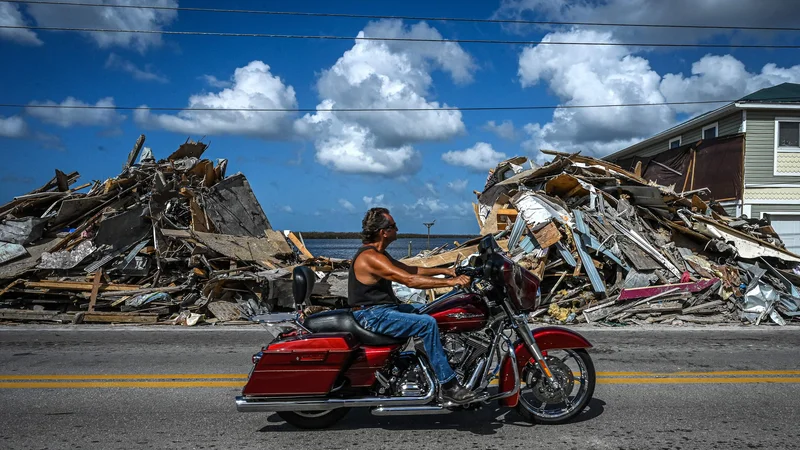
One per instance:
(760, 148)
(756, 210)
(730, 124)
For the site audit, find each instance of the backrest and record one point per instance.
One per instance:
(302, 285)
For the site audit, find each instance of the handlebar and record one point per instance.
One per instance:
(471, 272)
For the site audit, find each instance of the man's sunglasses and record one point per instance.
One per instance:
(390, 226)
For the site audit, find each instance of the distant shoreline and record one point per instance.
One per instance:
(355, 235)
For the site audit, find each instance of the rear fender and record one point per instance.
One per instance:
(546, 338)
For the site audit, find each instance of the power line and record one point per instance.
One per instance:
(301, 110)
(374, 16)
(403, 39)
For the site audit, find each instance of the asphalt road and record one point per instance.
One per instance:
(82, 387)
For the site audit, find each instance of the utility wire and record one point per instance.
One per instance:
(449, 108)
(373, 16)
(403, 39)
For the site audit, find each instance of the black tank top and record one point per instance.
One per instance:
(360, 294)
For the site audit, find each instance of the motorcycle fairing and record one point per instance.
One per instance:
(546, 338)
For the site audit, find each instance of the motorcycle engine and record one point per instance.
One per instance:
(405, 379)
(464, 350)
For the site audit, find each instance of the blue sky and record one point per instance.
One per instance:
(321, 171)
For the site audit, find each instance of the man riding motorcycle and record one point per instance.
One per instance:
(376, 307)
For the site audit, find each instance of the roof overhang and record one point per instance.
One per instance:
(692, 123)
(748, 105)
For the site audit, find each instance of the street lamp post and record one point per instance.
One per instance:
(429, 225)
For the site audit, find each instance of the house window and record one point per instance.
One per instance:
(675, 143)
(710, 131)
(787, 146)
(789, 134)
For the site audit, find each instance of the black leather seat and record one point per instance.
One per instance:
(342, 320)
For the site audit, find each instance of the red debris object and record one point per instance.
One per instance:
(644, 292)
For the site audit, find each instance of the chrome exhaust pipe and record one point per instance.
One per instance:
(409, 410)
(268, 404)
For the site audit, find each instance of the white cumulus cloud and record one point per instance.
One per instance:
(431, 188)
(110, 18)
(457, 185)
(504, 130)
(145, 73)
(346, 205)
(722, 77)
(254, 87)
(10, 15)
(480, 157)
(72, 112)
(580, 75)
(373, 202)
(583, 75)
(213, 81)
(385, 74)
(286, 209)
(13, 127)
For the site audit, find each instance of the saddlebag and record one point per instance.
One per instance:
(305, 365)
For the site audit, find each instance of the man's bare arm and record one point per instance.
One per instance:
(425, 271)
(381, 267)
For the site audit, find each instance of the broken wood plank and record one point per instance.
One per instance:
(95, 288)
(166, 290)
(245, 248)
(50, 316)
(137, 147)
(292, 237)
(704, 306)
(115, 317)
(446, 258)
(79, 286)
(657, 307)
(719, 318)
(233, 209)
(547, 235)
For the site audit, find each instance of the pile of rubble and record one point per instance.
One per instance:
(177, 241)
(169, 241)
(611, 247)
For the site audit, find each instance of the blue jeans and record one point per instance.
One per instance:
(402, 321)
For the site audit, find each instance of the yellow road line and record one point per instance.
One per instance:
(680, 374)
(120, 384)
(241, 376)
(698, 380)
(145, 376)
(239, 384)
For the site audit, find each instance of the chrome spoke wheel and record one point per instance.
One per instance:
(542, 401)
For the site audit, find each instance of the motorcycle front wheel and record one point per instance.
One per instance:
(540, 402)
(313, 420)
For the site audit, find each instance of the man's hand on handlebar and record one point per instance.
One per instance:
(461, 281)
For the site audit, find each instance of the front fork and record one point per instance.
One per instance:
(520, 325)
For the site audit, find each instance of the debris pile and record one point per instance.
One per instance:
(611, 247)
(170, 241)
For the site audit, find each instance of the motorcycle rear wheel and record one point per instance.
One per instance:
(536, 407)
(313, 420)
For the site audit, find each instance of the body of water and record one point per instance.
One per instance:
(346, 248)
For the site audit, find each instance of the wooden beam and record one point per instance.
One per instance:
(292, 237)
(112, 317)
(446, 258)
(19, 314)
(78, 286)
(95, 288)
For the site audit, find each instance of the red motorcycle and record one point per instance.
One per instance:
(314, 372)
